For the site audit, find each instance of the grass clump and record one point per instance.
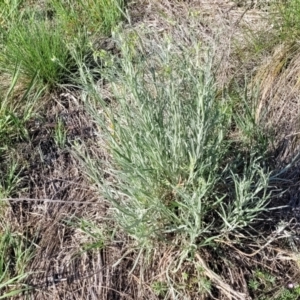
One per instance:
(176, 176)
(41, 44)
(14, 257)
(9, 11)
(16, 108)
(279, 26)
(287, 19)
(172, 158)
(93, 15)
(38, 50)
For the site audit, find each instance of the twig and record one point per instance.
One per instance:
(45, 200)
(219, 282)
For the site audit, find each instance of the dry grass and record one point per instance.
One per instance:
(279, 101)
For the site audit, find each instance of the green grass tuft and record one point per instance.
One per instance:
(15, 255)
(39, 50)
(96, 16)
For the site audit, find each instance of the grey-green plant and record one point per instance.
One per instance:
(172, 173)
